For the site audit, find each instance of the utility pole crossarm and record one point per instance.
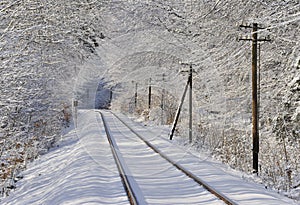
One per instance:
(251, 26)
(257, 40)
(255, 28)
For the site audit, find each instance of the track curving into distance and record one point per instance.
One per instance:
(148, 175)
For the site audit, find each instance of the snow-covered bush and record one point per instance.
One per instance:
(40, 42)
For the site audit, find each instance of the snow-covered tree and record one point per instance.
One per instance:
(55, 51)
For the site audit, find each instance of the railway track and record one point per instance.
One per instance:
(148, 175)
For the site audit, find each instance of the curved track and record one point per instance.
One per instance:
(148, 175)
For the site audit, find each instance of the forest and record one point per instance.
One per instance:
(53, 53)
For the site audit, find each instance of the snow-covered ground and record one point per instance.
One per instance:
(77, 172)
(80, 171)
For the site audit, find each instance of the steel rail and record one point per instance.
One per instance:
(208, 187)
(133, 191)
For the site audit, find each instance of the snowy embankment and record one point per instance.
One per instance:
(82, 171)
(77, 172)
(217, 175)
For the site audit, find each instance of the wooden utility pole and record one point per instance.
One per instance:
(149, 95)
(75, 105)
(255, 131)
(188, 84)
(255, 118)
(110, 96)
(163, 100)
(135, 95)
(191, 104)
(179, 110)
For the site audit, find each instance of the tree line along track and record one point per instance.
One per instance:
(132, 188)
